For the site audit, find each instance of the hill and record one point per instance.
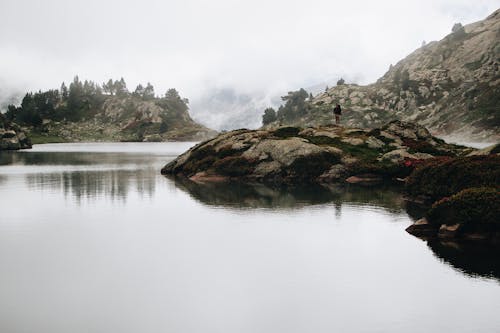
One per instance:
(88, 112)
(451, 86)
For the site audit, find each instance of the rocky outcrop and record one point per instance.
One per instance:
(128, 118)
(327, 154)
(451, 87)
(12, 137)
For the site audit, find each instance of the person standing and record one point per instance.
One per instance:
(337, 111)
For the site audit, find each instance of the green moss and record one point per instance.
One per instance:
(442, 177)
(38, 138)
(476, 209)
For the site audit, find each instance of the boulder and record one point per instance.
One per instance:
(422, 228)
(327, 154)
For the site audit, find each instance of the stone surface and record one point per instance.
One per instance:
(324, 154)
(12, 137)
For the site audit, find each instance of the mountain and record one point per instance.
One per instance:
(451, 86)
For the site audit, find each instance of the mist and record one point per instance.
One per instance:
(256, 50)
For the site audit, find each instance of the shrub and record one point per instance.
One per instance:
(476, 209)
(441, 177)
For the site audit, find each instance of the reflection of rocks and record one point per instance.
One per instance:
(469, 257)
(115, 184)
(258, 195)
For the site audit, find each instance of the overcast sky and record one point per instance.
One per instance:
(195, 45)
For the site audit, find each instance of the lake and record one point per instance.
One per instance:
(94, 239)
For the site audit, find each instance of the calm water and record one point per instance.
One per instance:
(94, 239)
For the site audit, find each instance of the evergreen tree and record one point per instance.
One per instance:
(269, 116)
(149, 92)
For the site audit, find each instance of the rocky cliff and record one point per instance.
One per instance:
(451, 86)
(12, 137)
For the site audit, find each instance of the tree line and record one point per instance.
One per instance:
(82, 100)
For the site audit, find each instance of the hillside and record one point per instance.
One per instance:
(452, 87)
(87, 112)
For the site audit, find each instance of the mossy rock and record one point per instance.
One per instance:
(475, 209)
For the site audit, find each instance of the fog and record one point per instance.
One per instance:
(257, 49)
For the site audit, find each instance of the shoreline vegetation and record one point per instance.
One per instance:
(458, 186)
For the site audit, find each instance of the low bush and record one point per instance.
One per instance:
(441, 177)
(476, 209)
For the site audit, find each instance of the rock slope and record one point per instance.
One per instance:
(452, 87)
(326, 154)
(12, 137)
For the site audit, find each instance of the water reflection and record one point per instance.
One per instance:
(244, 195)
(471, 258)
(79, 174)
(113, 184)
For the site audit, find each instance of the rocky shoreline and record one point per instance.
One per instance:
(12, 137)
(447, 178)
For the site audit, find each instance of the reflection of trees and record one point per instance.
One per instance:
(115, 183)
(245, 195)
(469, 257)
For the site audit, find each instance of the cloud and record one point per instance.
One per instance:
(255, 47)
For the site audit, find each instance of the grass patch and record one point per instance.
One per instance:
(38, 138)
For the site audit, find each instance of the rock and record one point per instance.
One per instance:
(364, 179)
(326, 154)
(422, 228)
(353, 141)
(493, 149)
(12, 137)
(375, 143)
(335, 173)
(399, 155)
(283, 151)
(449, 231)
